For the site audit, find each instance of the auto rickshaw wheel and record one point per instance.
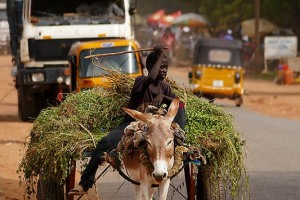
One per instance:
(239, 101)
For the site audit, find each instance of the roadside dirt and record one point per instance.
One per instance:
(264, 97)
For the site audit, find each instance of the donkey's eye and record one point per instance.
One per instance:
(169, 142)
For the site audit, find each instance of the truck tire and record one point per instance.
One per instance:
(26, 105)
(49, 191)
(210, 189)
(31, 103)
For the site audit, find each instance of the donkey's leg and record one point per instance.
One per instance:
(151, 192)
(163, 189)
(143, 191)
(137, 191)
(147, 191)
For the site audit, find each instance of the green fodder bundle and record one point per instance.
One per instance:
(62, 133)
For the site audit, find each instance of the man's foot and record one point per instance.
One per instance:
(78, 190)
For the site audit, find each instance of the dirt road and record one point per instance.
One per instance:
(264, 97)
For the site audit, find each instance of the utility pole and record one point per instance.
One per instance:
(257, 16)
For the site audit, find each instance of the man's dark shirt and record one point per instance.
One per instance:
(141, 95)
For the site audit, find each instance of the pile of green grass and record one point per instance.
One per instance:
(62, 133)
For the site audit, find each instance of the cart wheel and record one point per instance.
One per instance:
(49, 191)
(207, 188)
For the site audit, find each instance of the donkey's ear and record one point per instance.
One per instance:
(143, 117)
(173, 109)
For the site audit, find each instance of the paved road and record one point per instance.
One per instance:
(273, 155)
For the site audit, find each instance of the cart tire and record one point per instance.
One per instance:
(208, 189)
(49, 191)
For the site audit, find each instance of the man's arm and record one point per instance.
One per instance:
(152, 76)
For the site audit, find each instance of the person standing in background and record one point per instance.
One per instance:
(168, 40)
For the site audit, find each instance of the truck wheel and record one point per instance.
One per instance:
(49, 191)
(26, 105)
(29, 104)
(207, 188)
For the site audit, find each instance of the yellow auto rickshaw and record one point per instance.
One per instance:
(86, 73)
(217, 70)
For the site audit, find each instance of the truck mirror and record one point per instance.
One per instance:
(71, 59)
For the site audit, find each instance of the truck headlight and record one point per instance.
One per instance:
(60, 79)
(68, 80)
(37, 77)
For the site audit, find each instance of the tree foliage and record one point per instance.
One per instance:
(225, 14)
(283, 13)
(231, 12)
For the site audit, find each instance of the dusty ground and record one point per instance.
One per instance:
(261, 96)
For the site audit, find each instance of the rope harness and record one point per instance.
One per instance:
(133, 143)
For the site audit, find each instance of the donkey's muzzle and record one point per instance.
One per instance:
(159, 177)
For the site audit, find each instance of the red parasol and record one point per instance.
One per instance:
(191, 20)
(156, 17)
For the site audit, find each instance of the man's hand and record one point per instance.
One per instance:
(158, 49)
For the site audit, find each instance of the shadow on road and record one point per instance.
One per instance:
(9, 118)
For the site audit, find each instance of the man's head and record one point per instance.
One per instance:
(152, 59)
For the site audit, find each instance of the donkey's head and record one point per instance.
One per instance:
(159, 138)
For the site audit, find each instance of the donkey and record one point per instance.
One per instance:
(160, 149)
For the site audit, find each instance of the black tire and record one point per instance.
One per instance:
(208, 188)
(30, 104)
(49, 190)
(238, 101)
(210, 98)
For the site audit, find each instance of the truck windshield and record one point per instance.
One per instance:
(216, 56)
(3, 15)
(95, 67)
(66, 12)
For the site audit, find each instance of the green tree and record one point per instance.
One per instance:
(283, 13)
(230, 13)
(226, 13)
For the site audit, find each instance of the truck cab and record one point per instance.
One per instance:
(42, 33)
(86, 73)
